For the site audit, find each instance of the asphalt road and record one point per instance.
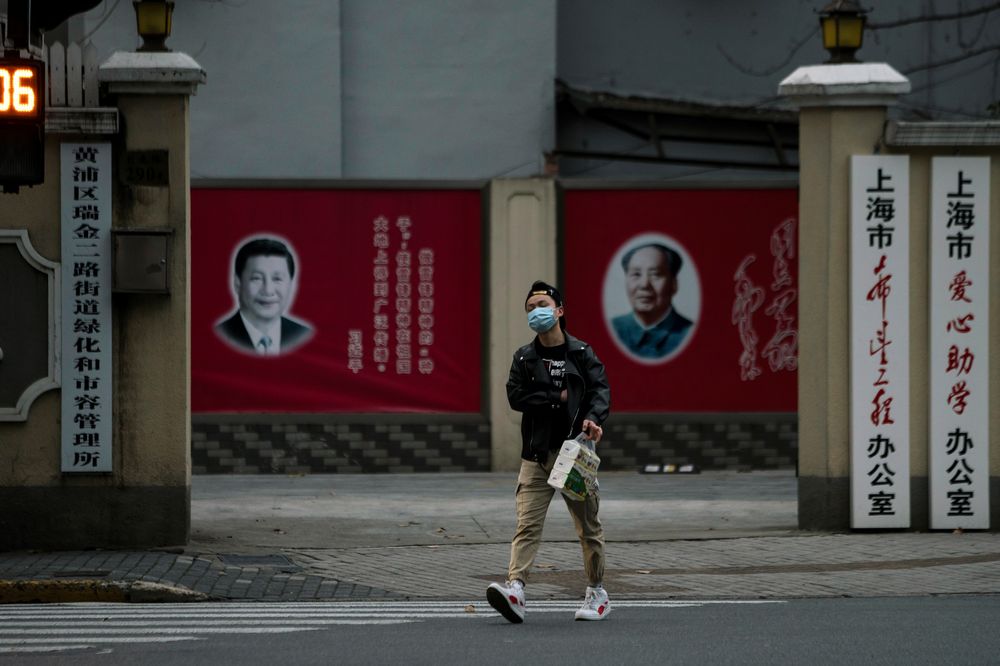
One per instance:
(909, 630)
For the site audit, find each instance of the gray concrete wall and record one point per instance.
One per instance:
(362, 88)
(437, 89)
(737, 52)
(442, 89)
(274, 107)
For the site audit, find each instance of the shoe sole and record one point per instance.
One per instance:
(581, 618)
(502, 606)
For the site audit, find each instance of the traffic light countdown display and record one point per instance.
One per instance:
(22, 122)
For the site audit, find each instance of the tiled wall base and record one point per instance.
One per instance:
(219, 446)
(285, 445)
(725, 442)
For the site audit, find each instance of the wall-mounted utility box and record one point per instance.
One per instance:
(141, 258)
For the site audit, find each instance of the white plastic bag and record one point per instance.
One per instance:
(574, 472)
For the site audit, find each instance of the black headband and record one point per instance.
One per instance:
(540, 288)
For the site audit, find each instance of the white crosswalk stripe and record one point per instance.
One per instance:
(67, 627)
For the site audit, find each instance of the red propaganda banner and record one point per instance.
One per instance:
(318, 301)
(689, 297)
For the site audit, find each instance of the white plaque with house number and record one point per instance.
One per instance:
(85, 174)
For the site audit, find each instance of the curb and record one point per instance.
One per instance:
(90, 590)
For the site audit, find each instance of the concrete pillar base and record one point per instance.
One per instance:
(67, 518)
(825, 503)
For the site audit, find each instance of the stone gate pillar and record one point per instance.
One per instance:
(842, 113)
(143, 498)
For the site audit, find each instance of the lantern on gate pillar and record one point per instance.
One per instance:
(843, 24)
(154, 19)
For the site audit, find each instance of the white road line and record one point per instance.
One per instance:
(44, 648)
(31, 629)
(89, 625)
(231, 620)
(224, 622)
(320, 611)
(312, 606)
(235, 614)
(316, 610)
(98, 639)
(111, 631)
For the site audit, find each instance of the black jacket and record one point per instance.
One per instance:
(530, 391)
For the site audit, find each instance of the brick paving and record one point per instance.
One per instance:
(201, 573)
(850, 565)
(343, 537)
(856, 565)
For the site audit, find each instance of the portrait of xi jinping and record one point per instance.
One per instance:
(264, 285)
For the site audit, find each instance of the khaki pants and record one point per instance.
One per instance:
(533, 497)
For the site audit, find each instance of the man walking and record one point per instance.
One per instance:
(559, 386)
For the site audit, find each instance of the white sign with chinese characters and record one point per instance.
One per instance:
(959, 319)
(85, 176)
(880, 320)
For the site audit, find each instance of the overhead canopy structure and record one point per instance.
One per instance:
(599, 125)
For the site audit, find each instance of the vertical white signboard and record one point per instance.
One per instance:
(880, 320)
(959, 320)
(85, 174)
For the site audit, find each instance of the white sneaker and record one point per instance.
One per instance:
(596, 605)
(508, 600)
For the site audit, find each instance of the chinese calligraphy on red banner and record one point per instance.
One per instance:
(402, 298)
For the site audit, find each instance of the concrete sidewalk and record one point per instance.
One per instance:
(713, 535)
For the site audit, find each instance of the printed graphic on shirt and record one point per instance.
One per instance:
(557, 369)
